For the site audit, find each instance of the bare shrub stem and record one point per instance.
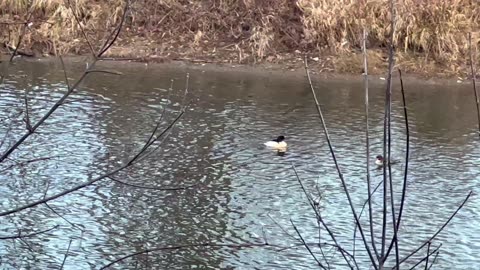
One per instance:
(187, 246)
(474, 74)
(367, 142)
(320, 218)
(407, 158)
(306, 246)
(20, 235)
(340, 174)
(88, 183)
(66, 254)
(89, 70)
(437, 232)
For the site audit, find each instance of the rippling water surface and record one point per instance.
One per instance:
(241, 191)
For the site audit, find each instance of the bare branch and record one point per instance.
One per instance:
(387, 144)
(104, 71)
(20, 235)
(306, 246)
(89, 70)
(474, 75)
(340, 174)
(283, 229)
(152, 139)
(407, 157)
(20, 38)
(65, 73)
(115, 33)
(66, 254)
(425, 259)
(319, 217)
(15, 50)
(161, 118)
(361, 212)
(436, 233)
(86, 184)
(187, 246)
(428, 255)
(367, 142)
(23, 163)
(153, 188)
(434, 259)
(81, 28)
(62, 217)
(333, 246)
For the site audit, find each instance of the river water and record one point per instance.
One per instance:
(242, 192)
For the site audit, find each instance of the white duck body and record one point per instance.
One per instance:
(278, 143)
(275, 144)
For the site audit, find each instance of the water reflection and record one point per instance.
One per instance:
(217, 145)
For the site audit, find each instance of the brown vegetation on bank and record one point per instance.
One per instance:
(431, 36)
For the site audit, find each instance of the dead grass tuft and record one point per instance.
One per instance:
(428, 31)
(437, 29)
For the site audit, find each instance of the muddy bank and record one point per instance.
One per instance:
(270, 70)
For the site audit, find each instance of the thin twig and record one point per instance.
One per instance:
(340, 174)
(81, 28)
(474, 75)
(153, 188)
(104, 71)
(434, 260)
(46, 190)
(306, 246)
(109, 41)
(20, 235)
(62, 217)
(283, 229)
(186, 246)
(435, 251)
(361, 212)
(65, 72)
(407, 158)
(333, 246)
(89, 70)
(437, 232)
(66, 254)
(23, 163)
(86, 184)
(319, 217)
(27, 114)
(387, 143)
(20, 38)
(152, 139)
(43, 119)
(367, 142)
(428, 255)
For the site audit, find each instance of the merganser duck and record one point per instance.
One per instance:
(279, 143)
(379, 161)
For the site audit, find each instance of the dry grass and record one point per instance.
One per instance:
(429, 30)
(54, 29)
(437, 29)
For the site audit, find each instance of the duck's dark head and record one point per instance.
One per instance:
(379, 157)
(280, 139)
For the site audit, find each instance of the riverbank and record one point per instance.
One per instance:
(329, 65)
(267, 70)
(431, 37)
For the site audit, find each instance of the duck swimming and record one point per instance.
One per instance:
(278, 143)
(379, 161)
